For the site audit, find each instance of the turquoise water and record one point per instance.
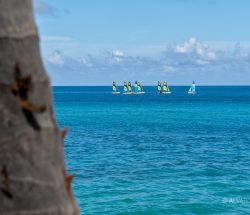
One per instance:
(158, 154)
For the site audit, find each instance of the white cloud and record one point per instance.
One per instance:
(238, 52)
(200, 50)
(84, 61)
(191, 52)
(211, 55)
(117, 53)
(115, 57)
(187, 46)
(201, 62)
(56, 58)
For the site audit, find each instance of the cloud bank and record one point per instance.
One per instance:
(179, 63)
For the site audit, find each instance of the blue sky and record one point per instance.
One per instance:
(93, 42)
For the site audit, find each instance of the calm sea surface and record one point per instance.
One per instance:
(158, 154)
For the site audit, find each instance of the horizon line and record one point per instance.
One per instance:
(243, 85)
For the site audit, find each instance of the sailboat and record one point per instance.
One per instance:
(159, 87)
(115, 89)
(166, 88)
(138, 88)
(192, 89)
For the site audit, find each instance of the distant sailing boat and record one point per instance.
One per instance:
(192, 89)
(166, 88)
(115, 89)
(138, 88)
(159, 88)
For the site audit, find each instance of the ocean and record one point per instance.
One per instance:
(158, 154)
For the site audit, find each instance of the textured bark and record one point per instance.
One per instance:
(33, 177)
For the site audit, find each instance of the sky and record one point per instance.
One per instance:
(95, 42)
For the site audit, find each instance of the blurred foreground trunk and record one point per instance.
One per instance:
(33, 178)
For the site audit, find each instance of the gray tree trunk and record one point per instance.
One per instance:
(33, 177)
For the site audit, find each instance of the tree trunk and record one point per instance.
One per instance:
(33, 177)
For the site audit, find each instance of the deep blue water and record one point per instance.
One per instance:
(158, 154)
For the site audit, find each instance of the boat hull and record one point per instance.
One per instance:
(192, 93)
(139, 93)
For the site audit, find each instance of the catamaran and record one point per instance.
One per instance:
(192, 89)
(166, 88)
(115, 89)
(138, 88)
